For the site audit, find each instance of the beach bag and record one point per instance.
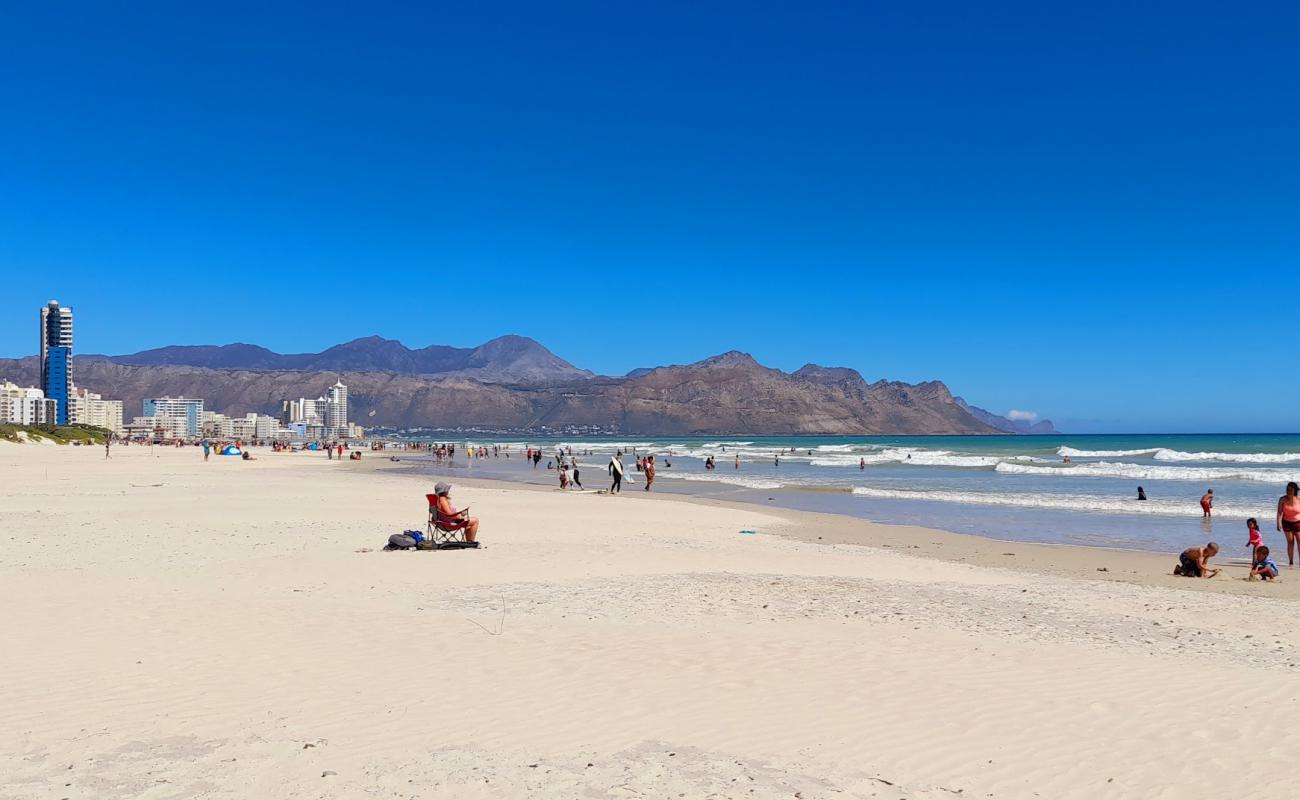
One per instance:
(425, 544)
(418, 536)
(401, 541)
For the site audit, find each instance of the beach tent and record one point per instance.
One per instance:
(231, 450)
(313, 446)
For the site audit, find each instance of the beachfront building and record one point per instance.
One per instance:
(159, 426)
(304, 410)
(189, 409)
(336, 410)
(88, 408)
(56, 357)
(216, 426)
(323, 418)
(257, 427)
(26, 405)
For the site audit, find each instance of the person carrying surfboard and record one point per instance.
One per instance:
(616, 472)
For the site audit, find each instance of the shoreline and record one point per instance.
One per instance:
(1080, 562)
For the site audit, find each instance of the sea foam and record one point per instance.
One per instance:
(1062, 502)
(1109, 469)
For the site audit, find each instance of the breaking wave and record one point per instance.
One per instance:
(1109, 469)
(1062, 502)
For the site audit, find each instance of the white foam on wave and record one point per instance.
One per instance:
(1110, 469)
(1062, 502)
(1165, 454)
(1073, 453)
(919, 458)
(722, 477)
(1239, 458)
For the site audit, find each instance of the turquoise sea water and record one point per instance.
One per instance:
(1007, 487)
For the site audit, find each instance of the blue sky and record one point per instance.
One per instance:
(1092, 213)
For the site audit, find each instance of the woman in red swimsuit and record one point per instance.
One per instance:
(1288, 519)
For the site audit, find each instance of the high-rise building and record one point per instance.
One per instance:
(311, 412)
(336, 409)
(56, 357)
(188, 408)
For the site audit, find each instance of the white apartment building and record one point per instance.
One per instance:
(323, 418)
(25, 405)
(158, 427)
(188, 408)
(336, 410)
(216, 426)
(256, 427)
(311, 412)
(88, 408)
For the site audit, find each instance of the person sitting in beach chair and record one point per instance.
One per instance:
(446, 524)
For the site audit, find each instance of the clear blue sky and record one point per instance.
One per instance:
(1091, 213)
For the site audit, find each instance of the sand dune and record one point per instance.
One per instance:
(176, 629)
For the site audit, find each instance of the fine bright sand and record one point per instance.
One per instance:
(176, 629)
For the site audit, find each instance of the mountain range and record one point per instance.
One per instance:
(506, 359)
(515, 383)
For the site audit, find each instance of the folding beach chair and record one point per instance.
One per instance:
(445, 532)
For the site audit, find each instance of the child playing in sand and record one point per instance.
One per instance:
(1192, 562)
(1262, 566)
(1256, 539)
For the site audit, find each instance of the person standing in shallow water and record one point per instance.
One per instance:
(1207, 504)
(649, 472)
(1288, 520)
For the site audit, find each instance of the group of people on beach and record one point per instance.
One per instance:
(1193, 562)
(644, 464)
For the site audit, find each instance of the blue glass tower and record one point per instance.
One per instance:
(58, 381)
(56, 356)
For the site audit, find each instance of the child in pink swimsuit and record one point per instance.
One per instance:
(1256, 539)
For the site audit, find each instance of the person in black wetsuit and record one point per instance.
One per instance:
(1142, 495)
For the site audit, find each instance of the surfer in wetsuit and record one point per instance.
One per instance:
(1142, 495)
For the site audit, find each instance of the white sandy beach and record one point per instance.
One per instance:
(180, 629)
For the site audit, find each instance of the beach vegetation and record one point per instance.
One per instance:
(59, 434)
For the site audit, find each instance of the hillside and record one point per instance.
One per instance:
(506, 359)
(727, 394)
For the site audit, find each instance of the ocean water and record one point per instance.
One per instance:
(1005, 487)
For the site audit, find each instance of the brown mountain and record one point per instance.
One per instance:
(727, 394)
(506, 359)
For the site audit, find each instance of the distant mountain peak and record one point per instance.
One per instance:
(828, 375)
(1042, 426)
(731, 358)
